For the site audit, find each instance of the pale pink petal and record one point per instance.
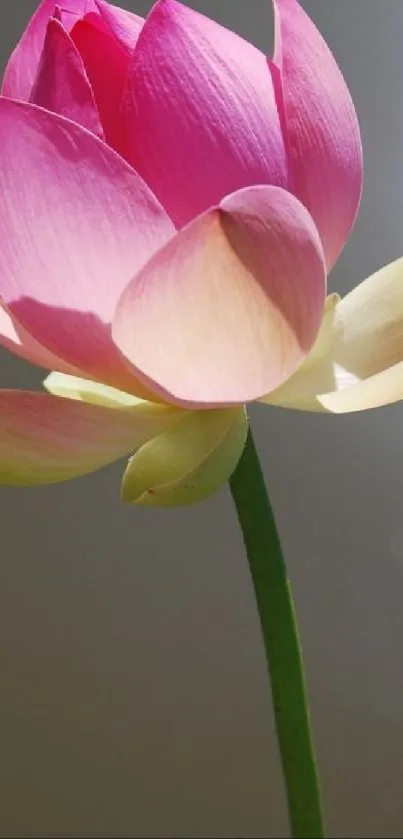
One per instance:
(199, 117)
(22, 67)
(76, 224)
(62, 85)
(229, 308)
(106, 63)
(44, 439)
(320, 124)
(16, 339)
(125, 26)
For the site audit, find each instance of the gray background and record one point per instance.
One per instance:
(133, 692)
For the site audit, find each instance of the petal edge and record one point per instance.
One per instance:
(322, 130)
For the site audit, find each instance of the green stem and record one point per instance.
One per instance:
(283, 652)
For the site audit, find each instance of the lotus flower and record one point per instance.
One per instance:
(172, 202)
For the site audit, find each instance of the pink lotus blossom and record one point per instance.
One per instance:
(171, 203)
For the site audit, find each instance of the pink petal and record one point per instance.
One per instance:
(22, 66)
(100, 50)
(44, 439)
(320, 124)
(199, 119)
(15, 338)
(106, 40)
(76, 223)
(62, 85)
(229, 308)
(125, 26)
(74, 10)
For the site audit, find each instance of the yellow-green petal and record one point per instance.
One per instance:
(85, 390)
(189, 462)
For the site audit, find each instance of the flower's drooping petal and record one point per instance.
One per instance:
(320, 124)
(125, 26)
(229, 308)
(199, 116)
(106, 63)
(357, 362)
(44, 439)
(62, 85)
(189, 462)
(16, 339)
(22, 67)
(73, 387)
(76, 223)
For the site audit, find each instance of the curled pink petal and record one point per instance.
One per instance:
(230, 307)
(62, 84)
(199, 118)
(76, 223)
(22, 67)
(321, 126)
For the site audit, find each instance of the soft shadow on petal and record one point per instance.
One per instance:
(189, 462)
(99, 49)
(321, 127)
(44, 439)
(103, 363)
(124, 25)
(231, 306)
(199, 117)
(62, 85)
(76, 224)
(22, 67)
(357, 362)
(16, 339)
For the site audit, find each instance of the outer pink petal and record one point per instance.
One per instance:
(15, 338)
(44, 439)
(76, 223)
(230, 307)
(321, 126)
(106, 63)
(62, 85)
(199, 118)
(125, 26)
(22, 66)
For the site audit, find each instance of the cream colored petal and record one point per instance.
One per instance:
(190, 463)
(357, 361)
(371, 317)
(381, 389)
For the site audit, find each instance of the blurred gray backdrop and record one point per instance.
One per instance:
(134, 699)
